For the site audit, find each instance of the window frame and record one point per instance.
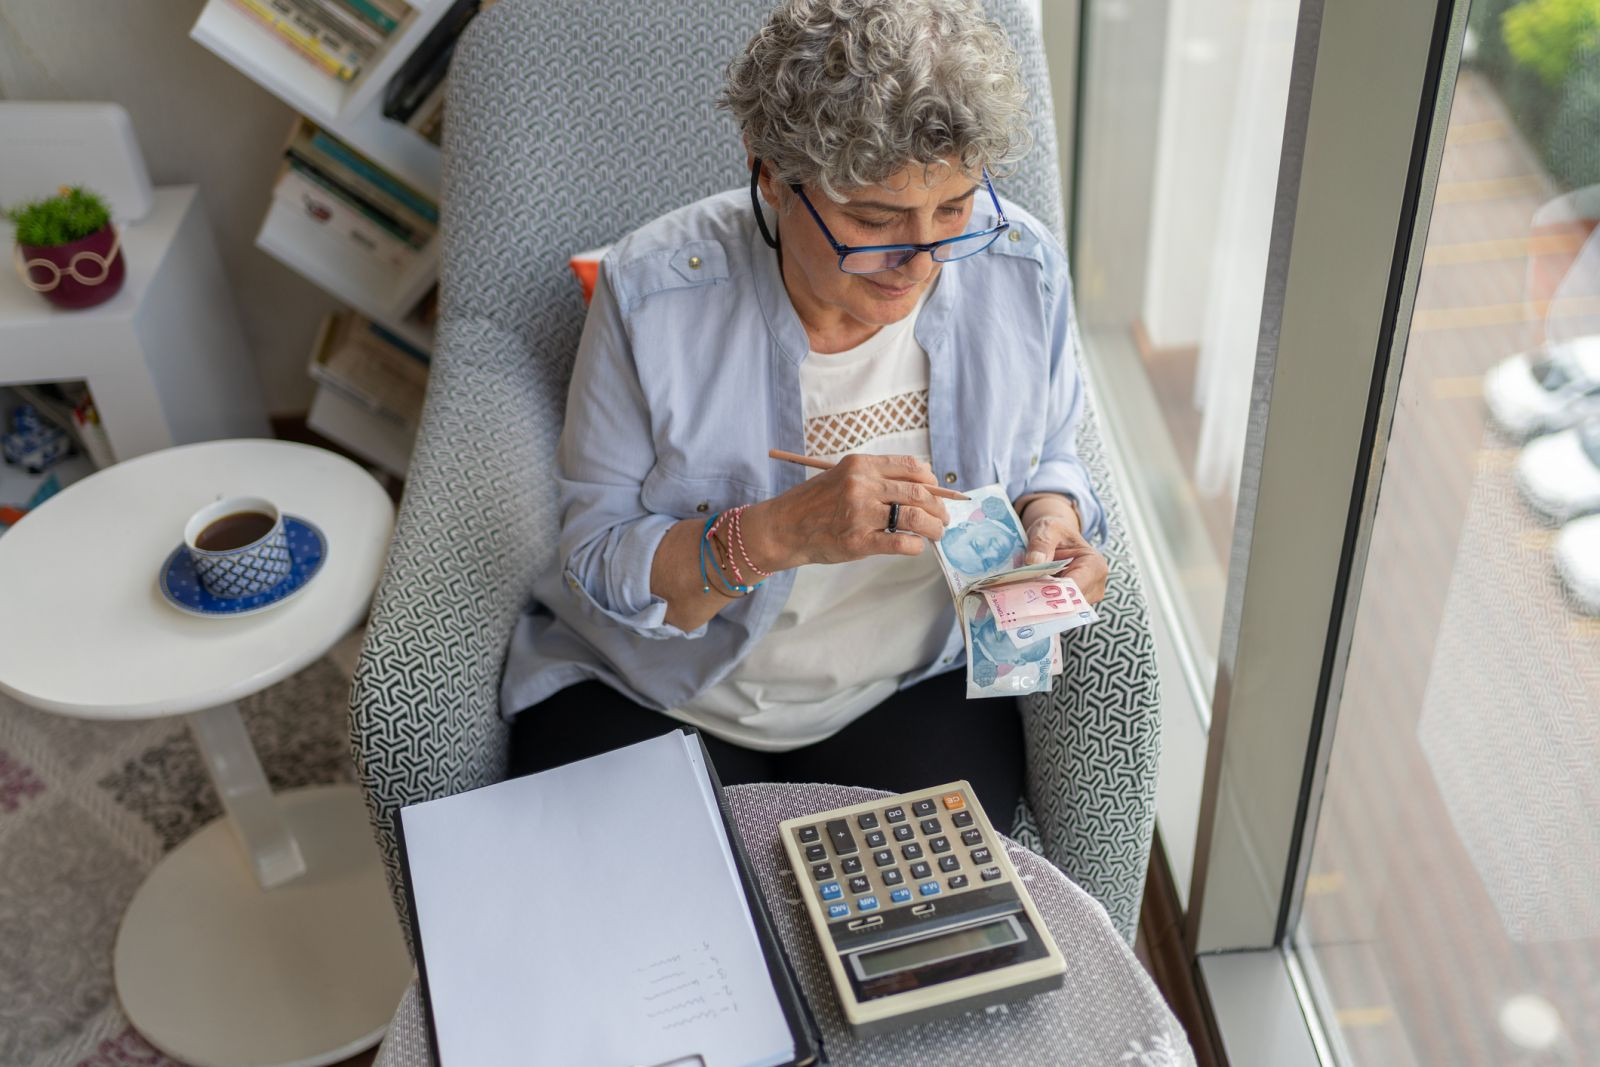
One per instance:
(1355, 190)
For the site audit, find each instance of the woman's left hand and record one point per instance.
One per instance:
(1057, 537)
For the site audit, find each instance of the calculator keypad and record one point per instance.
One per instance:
(921, 861)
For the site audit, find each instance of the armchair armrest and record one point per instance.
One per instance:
(1094, 741)
(477, 520)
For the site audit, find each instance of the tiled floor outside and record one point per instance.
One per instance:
(1435, 909)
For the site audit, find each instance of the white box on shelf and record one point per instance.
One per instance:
(49, 143)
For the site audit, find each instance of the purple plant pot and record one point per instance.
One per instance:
(71, 291)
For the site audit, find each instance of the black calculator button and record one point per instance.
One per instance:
(962, 818)
(816, 852)
(981, 856)
(850, 865)
(867, 820)
(823, 871)
(912, 851)
(949, 863)
(991, 873)
(895, 814)
(891, 876)
(808, 834)
(883, 857)
(904, 833)
(844, 841)
(859, 884)
(922, 807)
(939, 844)
(920, 870)
(931, 826)
(875, 839)
(958, 881)
(971, 837)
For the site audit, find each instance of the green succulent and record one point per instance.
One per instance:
(57, 220)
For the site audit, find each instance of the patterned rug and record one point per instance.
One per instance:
(86, 810)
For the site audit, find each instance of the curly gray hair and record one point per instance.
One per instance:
(847, 93)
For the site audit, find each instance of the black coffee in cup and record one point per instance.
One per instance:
(234, 531)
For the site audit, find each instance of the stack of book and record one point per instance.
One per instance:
(338, 37)
(346, 193)
(415, 95)
(364, 362)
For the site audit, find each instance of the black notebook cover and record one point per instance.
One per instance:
(797, 1012)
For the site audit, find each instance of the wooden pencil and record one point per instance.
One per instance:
(827, 464)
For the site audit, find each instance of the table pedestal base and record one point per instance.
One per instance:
(215, 971)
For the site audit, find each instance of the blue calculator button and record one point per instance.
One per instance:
(928, 889)
(838, 911)
(867, 904)
(899, 896)
(830, 891)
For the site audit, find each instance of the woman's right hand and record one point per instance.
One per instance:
(841, 514)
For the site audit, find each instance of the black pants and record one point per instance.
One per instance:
(923, 736)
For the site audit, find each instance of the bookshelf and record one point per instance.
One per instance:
(375, 289)
(352, 112)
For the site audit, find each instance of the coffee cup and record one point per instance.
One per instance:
(238, 546)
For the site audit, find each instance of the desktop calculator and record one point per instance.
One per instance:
(918, 911)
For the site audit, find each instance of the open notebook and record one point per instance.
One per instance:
(603, 912)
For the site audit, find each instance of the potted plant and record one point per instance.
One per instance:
(68, 249)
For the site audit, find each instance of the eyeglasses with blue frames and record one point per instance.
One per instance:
(874, 259)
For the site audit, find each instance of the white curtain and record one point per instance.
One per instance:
(1239, 259)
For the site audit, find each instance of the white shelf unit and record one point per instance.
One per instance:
(353, 112)
(374, 288)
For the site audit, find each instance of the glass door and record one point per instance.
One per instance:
(1451, 902)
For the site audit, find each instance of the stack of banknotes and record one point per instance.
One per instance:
(1012, 616)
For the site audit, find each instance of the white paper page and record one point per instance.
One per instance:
(691, 747)
(589, 915)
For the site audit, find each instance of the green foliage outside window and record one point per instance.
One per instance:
(1543, 57)
(1547, 36)
(1572, 140)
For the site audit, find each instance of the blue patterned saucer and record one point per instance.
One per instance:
(181, 586)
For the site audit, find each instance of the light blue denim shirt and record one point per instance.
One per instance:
(688, 371)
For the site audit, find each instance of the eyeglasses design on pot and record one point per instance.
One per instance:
(52, 274)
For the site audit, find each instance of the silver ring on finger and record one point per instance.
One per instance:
(894, 519)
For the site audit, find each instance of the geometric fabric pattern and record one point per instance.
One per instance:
(834, 435)
(1107, 1011)
(552, 107)
(243, 573)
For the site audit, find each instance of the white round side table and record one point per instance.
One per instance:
(268, 937)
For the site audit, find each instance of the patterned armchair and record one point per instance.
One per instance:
(570, 125)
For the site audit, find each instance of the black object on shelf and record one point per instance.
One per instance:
(428, 63)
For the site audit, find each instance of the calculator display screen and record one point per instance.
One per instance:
(956, 943)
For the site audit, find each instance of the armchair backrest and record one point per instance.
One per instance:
(569, 125)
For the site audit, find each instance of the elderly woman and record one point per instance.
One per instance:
(870, 299)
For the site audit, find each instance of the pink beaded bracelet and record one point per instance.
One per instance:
(738, 541)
